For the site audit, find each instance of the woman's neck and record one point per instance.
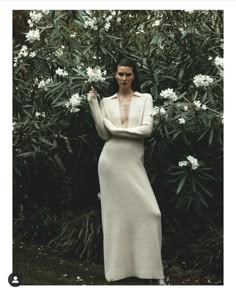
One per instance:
(125, 93)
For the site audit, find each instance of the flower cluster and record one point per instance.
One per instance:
(169, 94)
(33, 35)
(73, 35)
(14, 125)
(90, 22)
(37, 114)
(198, 105)
(189, 11)
(35, 17)
(74, 103)
(61, 72)
(95, 74)
(23, 53)
(191, 161)
(60, 51)
(156, 23)
(219, 62)
(44, 83)
(99, 195)
(157, 111)
(181, 121)
(202, 80)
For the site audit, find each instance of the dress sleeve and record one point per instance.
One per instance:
(141, 131)
(98, 114)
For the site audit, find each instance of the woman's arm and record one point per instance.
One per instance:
(98, 114)
(142, 131)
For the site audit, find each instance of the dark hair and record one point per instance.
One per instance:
(126, 62)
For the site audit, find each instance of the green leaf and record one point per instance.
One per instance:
(211, 136)
(59, 162)
(181, 183)
(202, 200)
(203, 188)
(46, 141)
(27, 154)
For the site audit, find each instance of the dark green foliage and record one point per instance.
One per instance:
(80, 235)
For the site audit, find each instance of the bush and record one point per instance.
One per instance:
(180, 60)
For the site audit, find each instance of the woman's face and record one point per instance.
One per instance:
(124, 76)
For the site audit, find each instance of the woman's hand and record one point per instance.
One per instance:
(92, 95)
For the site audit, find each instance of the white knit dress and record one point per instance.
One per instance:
(131, 218)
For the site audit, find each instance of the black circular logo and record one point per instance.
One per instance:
(15, 279)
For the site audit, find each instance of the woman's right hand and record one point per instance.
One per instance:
(92, 95)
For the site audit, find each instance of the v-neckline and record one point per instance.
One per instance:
(130, 104)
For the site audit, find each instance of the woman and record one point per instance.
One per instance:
(131, 218)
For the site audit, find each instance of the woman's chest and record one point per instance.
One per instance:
(125, 113)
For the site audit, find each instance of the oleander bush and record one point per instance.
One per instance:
(58, 55)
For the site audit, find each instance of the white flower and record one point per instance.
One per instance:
(118, 19)
(156, 23)
(219, 62)
(45, 12)
(185, 108)
(33, 35)
(210, 58)
(99, 195)
(61, 72)
(36, 17)
(204, 107)
(193, 161)
(73, 35)
(107, 26)
(222, 44)
(23, 52)
(78, 278)
(43, 83)
(108, 18)
(90, 22)
(181, 121)
(59, 52)
(158, 110)
(30, 22)
(113, 12)
(169, 94)
(197, 104)
(182, 30)
(74, 103)
(37, 114)
(95, 74)
(32, 54)
(14, 125)
(189, 11)
(183, 163)
(202, 80)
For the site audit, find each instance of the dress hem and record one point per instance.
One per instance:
(140, 276)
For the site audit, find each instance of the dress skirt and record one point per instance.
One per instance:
(131, 218)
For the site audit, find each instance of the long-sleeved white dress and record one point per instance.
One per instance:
(131, 218)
